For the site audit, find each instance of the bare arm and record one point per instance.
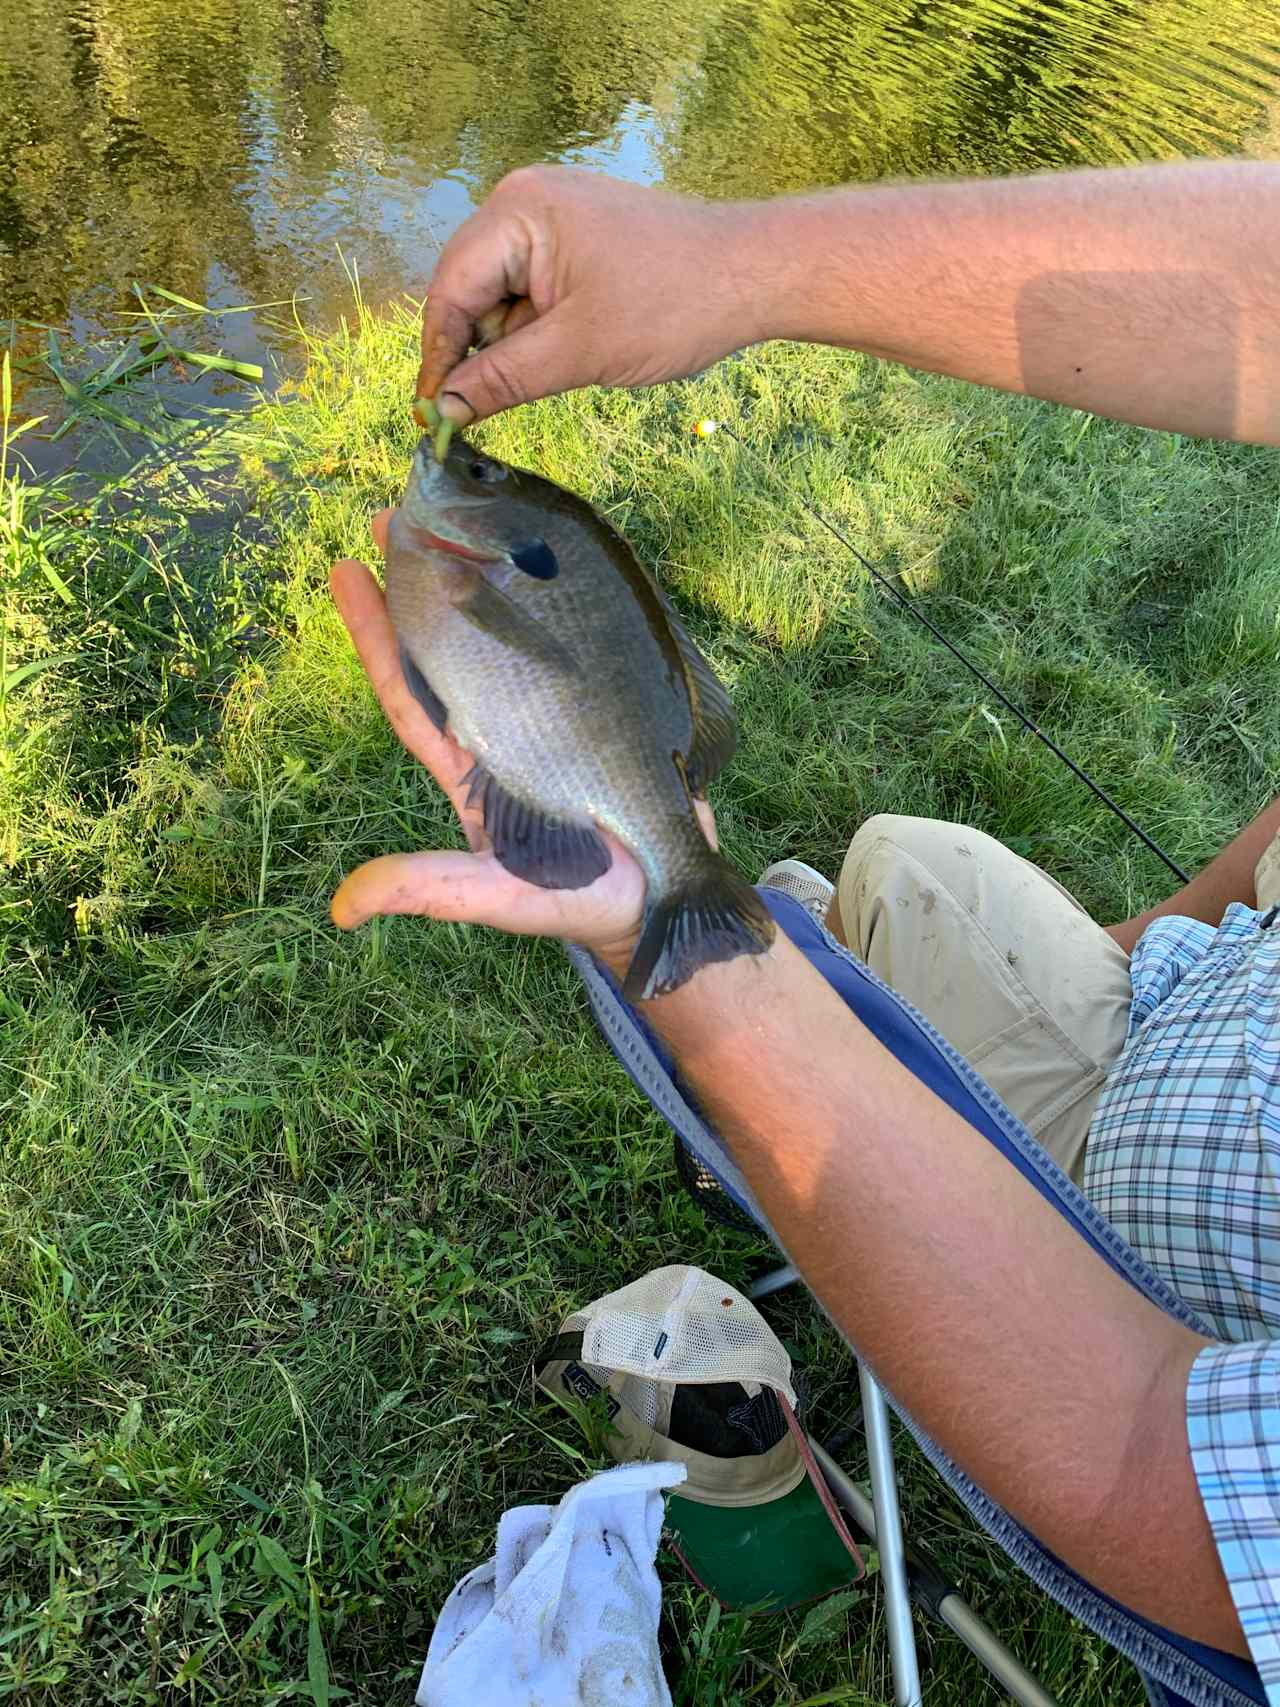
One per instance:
(1145, 293)
(1048, 1378)
(1225, 879)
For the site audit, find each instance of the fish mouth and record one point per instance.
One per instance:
(431, 541)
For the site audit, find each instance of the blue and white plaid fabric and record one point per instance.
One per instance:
(1184, 1159)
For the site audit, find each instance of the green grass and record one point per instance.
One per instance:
(283, 1214)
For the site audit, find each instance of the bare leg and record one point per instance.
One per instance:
(1229, 877)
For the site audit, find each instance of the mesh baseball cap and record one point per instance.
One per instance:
(692, 1372)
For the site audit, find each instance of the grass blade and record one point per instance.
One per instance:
(37, 667)
(279, 1561)
(216, 364)
(24, 426)
(59, 586)
(209, 309)
(181, 301)
(317, 1659)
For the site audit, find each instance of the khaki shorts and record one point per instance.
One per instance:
(1266, 876)
(1003, 961)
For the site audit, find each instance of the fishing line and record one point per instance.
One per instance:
(705, 429)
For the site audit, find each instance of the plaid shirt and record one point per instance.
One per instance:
(1184, 1159)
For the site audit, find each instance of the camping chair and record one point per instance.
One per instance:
(1176, 1672)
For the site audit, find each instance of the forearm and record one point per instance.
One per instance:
(1227, 878)
(1147, 294)
(1044, 1375)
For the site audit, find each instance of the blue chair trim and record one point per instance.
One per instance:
(1201, 1676)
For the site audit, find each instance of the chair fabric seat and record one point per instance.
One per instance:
(1174, 1670)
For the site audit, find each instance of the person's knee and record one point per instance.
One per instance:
(873, 864)
(884, 837)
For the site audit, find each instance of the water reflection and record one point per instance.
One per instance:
(228, 148)
(835, 91)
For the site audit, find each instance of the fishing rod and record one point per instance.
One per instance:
(706, 428)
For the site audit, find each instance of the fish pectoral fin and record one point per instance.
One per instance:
(489, 609)
(534, 845)
(715, 728)
(422, 691)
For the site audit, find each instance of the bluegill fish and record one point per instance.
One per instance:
(529, 628)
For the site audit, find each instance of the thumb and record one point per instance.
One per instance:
(539, 360)
(458, 886)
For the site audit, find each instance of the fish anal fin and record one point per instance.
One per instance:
(422, 691)
(550, 852)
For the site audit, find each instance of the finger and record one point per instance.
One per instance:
(707, 821)
(483, 265)
(519, 314)
(356, 594)
(363, 609)
(471, 888)
(447, 334)
(499, 323)
(537, 361)
(379, 525)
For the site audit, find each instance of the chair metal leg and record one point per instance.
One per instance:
(893, 1558)
(777, 1280)
(946, 1603)
(881, 1519)
(983, 1642)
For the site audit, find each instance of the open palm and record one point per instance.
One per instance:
(471, 887)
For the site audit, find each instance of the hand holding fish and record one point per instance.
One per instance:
(565, 278)
(469, 887)
(1087, 288)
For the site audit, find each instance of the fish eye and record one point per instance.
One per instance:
(482, 469)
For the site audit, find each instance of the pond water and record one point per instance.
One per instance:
(232, 150)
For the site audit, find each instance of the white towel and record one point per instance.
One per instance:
(566, 1612)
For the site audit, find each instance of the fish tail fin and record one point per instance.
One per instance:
(717, 915)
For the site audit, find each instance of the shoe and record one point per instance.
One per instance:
(803, 884)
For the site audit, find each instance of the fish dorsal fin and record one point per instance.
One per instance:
(715, 728)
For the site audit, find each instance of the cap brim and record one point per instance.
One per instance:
(738, 1536)
(769, 1556)
(779, 1553)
